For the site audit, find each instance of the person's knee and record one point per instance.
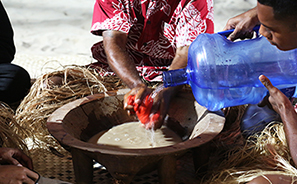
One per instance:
(259, 180)
(256, 118)
(55, 80)
(15, 83)
(275, 179)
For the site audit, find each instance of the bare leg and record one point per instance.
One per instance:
(274, 179)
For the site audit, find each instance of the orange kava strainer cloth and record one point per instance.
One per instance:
(143, 110)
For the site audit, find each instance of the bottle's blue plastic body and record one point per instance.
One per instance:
(222, 73)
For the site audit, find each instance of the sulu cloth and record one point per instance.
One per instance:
(155, 28)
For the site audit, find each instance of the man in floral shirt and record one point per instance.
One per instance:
(143, 37)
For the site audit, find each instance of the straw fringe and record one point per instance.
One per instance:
(231, 133)
(45, 97)
(10, 129)
(263, 154)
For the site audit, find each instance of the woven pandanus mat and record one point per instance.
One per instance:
(52, 166)
(60, 168)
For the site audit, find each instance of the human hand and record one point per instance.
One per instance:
(143, 111)
(242, 24)
(161, 99)
(276, 99)
(139, 94)
(17, 175)
(15, 157)
(158, 106)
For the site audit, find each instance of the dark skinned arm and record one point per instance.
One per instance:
(283, 106)
(15, 156)
(16, 167)
(119, 61)
(163, 98)
(118, 58)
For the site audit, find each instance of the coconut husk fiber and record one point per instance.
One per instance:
(48, 94)
(263, 154)
(10, 130)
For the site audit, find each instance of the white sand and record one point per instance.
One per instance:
(50, 33)
(59, 30)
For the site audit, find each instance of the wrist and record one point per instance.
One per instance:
(138, 84)
(252, 16)
(287, 112)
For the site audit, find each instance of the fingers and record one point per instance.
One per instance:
(227, 27)
(266, 82)
(134, 98)
(13, 161)
(128, 104)
(141, 94)
(234, 35)
(155, 121)
(276, 98)
(11, 156)
(19, 158)
(27, 162)
(160, 108)
(240, 32)
(231, 24)
(23, 175)
(28, 180)
(242, 29)
(243, 25)
(264, 101)
(130, 100)
(156, 112)
(23, 159)
(162, 111)
(32, 176)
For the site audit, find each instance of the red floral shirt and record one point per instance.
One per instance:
(155, 28)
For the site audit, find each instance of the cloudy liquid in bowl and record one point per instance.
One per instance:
(133, 136)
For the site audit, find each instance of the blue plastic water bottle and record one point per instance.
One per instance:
(222, 73)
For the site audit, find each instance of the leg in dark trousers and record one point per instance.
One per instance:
(14, 83)
(14, 80)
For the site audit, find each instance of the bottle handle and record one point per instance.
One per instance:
(228, 32)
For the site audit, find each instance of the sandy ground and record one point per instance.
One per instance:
(51, 33)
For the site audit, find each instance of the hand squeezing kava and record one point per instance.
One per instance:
(143, 110)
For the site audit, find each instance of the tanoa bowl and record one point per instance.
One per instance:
(76, 122)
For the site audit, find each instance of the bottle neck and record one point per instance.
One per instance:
(175, 77)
